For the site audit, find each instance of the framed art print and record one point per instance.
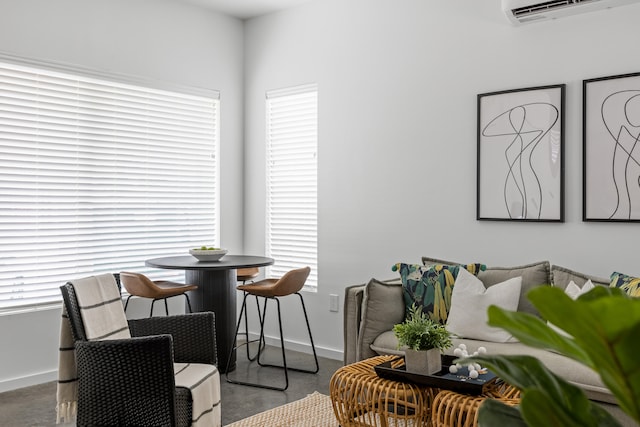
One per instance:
(611, 148)
(520, 173)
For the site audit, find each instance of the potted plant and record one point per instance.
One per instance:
(424, 340)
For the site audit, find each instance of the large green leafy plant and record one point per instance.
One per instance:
(604, 329)
(418, 332)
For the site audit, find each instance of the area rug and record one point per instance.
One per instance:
(315, 410)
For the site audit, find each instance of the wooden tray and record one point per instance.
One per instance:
(459, 382)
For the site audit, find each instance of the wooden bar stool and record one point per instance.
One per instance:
(140, 285)
(274, 289)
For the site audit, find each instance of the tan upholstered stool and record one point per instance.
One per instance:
(140, 285)
(361, 398)
(271, 290)
(245, 274)
(461, 410)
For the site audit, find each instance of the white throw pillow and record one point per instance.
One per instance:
(573, 291)
(469, 303)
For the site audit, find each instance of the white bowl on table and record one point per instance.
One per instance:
(208, 254)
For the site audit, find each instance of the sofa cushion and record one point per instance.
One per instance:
(572, 371)
(573, 291)
(387, 343)
(561, 277)
(383, 308)
(533, 275)
(469, 303)
(430, 287)
(629, 284)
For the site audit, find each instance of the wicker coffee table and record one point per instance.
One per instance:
(361, 398)
(450, 408)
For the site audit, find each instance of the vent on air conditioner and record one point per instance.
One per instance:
(524, 11)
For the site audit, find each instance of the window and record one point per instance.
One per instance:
(292, 206)
(96, 176)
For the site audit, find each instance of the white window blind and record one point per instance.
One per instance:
(97, 176)
(292, 205)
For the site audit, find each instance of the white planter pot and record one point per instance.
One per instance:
(424, 362)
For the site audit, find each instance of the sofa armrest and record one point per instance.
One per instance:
(353, 296)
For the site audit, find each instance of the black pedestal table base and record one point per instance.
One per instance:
(217, 292)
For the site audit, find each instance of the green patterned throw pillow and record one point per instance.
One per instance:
(431, 287)
(629, 284)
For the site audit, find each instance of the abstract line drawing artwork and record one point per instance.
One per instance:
(520, 154)
(611, 148)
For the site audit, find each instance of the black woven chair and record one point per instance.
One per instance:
(131, 381)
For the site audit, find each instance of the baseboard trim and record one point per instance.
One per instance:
(329, 353)
(29, 380)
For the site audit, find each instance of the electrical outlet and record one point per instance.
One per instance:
(333, 302)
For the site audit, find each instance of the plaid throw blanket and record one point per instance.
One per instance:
(103, 318)
(204, 383)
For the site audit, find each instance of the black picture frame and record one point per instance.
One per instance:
(520, 163)
(611, 148)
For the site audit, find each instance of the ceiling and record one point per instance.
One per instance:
(245, 9)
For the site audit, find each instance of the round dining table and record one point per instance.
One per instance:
(216, 281)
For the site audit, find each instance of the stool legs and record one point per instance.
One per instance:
(261, 341)
(244, 315)
(188, 302)
(166, 306)
(313, 347)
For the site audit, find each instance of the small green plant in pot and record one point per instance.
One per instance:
(424, 340)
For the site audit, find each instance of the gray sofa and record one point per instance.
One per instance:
(371, 310)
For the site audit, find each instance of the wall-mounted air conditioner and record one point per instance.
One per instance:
(525, 11)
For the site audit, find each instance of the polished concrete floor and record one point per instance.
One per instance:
(35, 405)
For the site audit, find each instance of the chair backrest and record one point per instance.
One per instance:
(72, 306)
(73, 312)
(139, 285)
(291, 282)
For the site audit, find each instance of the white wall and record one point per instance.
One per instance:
(159, 40)
(397, 133)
